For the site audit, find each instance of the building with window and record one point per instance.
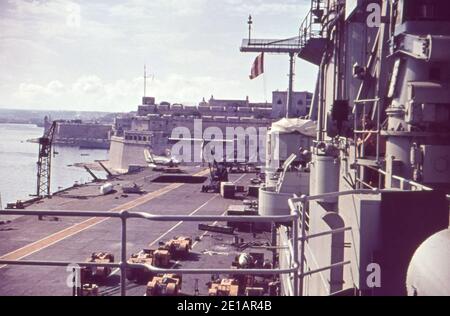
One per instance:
(301, 103)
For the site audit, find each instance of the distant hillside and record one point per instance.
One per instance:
(37, 117)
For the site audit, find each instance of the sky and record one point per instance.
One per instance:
(89, 55)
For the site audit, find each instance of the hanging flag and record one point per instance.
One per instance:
(258, 67)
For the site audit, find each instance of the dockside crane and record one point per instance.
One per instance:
(44, 163)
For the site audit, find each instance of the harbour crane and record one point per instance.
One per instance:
(44, 163)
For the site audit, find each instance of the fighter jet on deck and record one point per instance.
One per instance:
(155, 161)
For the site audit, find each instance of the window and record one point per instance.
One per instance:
(426, 10)
(279, 102)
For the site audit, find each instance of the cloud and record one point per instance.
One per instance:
(50, 21)
(144, 9)
(179, 88)
(88, 85)
(83, 54)
(64, 12)
(93, 93)
(267, 7)
(55, 87)
(30, 90)
(42, 8)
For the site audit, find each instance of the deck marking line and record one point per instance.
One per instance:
(200, 238)
(52, 239)
(179, 223)
(173, 227)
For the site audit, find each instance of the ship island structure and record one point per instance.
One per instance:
(351, 199)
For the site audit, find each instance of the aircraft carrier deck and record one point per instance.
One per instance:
(75, 238)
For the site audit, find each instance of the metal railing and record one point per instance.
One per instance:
(292, 43)
(311, 26)
(123, 265)
(405, 184)
(295, 248)
(298, 206)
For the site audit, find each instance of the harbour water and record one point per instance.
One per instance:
(18, 163)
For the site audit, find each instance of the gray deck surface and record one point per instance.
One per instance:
(213, 250)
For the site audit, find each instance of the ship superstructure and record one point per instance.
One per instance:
(380, 164)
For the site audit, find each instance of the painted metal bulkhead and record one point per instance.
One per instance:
(393, 137)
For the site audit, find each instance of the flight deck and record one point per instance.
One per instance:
(75, 238)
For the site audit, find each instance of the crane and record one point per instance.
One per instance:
(44, 163)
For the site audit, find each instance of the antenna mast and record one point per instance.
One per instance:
(291, 46)
(145, 81)
(250, 22)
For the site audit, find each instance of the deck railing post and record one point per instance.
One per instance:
(123, 262)
(295, 255)
(302, 246)
(295, 251)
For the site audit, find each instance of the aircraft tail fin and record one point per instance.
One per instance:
(148, 156)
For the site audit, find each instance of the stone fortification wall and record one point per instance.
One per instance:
(83, 130)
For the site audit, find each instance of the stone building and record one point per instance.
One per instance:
(153, 125)
(301, 103)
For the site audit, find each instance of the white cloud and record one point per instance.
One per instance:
(28, 91)
(268, 7)
(55, 87)
(88, 55)
(192, 56)
(139, 9)
(88, 85)
(50, 21)
(34, 7)
(92, 93)
(65, 13)
(178, 88)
